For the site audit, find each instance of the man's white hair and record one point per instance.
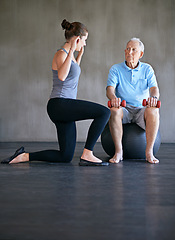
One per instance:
(140, 43)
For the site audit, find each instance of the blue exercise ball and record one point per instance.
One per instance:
(134, 142)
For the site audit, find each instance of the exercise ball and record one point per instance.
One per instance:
(134, 141)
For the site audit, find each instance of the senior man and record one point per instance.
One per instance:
(133, 81)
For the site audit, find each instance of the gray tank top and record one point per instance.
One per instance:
(68, 87)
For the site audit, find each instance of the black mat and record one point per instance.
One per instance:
(127, 201)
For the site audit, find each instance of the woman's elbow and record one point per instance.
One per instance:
(61, 78)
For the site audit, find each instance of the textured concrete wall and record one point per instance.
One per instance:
(30, 33)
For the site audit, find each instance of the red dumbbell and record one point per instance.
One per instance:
(123, 104)
(146, 103)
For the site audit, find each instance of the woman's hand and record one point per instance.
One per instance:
(81, 51)
(79, 56)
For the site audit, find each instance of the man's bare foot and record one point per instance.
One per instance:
(116, 158)
(151, 159)
(24, 157)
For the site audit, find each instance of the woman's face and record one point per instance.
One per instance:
(81, 42)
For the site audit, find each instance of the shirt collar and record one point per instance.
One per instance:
(135, 69)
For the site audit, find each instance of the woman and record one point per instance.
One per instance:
(64, 109)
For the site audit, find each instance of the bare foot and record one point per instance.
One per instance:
(88, 156)
(151, 159)
(24, 157)
(116, 158)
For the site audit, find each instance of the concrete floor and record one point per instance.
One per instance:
(132, 200)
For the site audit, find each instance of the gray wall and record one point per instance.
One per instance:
(31, 32)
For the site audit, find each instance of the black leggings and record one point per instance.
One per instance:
(63, 113)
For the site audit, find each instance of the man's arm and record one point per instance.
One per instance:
(110, 93)
(154, 92)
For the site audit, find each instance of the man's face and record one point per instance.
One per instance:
(133, 52)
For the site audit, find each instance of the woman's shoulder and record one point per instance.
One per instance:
(60, 54)
(61, 51)
(58, 58)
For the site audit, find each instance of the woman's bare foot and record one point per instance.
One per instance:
(117, 158)
(88, 156)
(24, 157)
(151, 159)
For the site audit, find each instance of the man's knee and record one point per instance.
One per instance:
(151, 113)
(117, 113)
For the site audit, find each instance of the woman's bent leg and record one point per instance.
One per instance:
(77, 110)
(64, 113)
(67, 140)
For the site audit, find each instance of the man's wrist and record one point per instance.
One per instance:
(154, 97)
(113, 97)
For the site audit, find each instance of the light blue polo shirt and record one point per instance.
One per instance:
(132, 85)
